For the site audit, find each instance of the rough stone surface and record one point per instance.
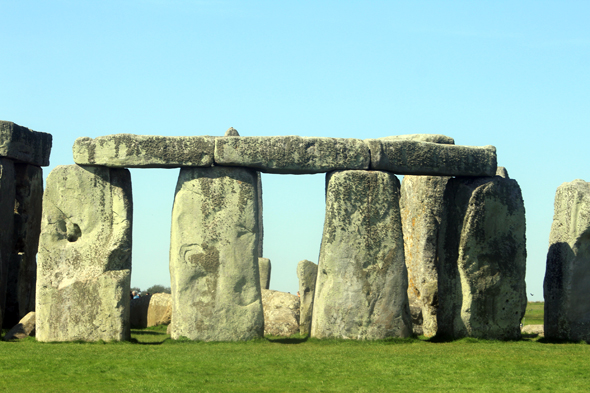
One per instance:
(7, 197)
(24, 328)
(260, 218)
(22, 269)
(231, 132)
(160, 309)
(281, 313)
(84, 261)
(482, 256)
(502, 172)
(410, 157)
(361, 289)
(434, 138)
(292, 154)
(533, 329)
(421, 204)
(145, 151)
(138, 311)
(567, 276)
(214, 256)
(307, 272)
(264, 268)
(23, 144)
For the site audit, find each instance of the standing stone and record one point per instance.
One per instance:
(307, 272)
(160, 309)
(264, 269)
(84, 262)
(361, 289)
(138, 311)
(566, 288)
(281, 313)
(482, 251)
(421, 206)
(260, 218)
(7, 196)
(231, 132)
(22, 269)
(214, 256)
(23, 144)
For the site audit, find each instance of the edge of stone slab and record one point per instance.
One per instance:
(145, 151)
(434, 138)
(24, 145)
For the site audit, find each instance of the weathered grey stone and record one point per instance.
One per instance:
(409, 157)
(434, 138)
(84, 261)
(361, 289)
(533, 329)
(264, 269)
(231, 132)
(292, 154)
(421, 205)
(281, 313)
(214, 256)
(307, 272)
(22, 269)
(160, 309)
(7, 197)
(502, 172)
(23, 144)
(482, 256)
(145, 151)
(417, 320)
(566, 288)
(260, 218)
(24, 328)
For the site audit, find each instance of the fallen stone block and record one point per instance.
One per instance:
(566, 289)
(145, 151)
(24, 328)
(361, 288)
(23, 144)
(84, 261)
(307, 272)
(410, 157)
(533, 329)
(292, 154)
(281, 313)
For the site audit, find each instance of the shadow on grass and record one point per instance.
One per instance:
(288, 340)
(147, 332)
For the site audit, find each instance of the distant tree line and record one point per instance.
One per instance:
(153, 289)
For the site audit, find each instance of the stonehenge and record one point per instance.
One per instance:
(449, 239)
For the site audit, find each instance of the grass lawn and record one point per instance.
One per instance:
(534, 313)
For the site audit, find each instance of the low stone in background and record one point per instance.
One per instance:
(281, 313)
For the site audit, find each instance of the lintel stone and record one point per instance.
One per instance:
(23, 144)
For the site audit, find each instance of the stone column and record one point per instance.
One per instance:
(307, 272)
(214, 256)
(22, 270)
(482, 251)
(567, 277)
(7, 195)
(264, 267)
(84, 263)
(361, 288)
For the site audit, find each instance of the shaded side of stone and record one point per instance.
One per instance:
(281, 313)
(292, 154)
(482, 255)
(145, 151)
(421, 206)
(260, 215)
(361, 288)
(138, 312)
(23, 144)
(22, 269)
(7, 196)
(24, 328)
(566, 289)
(307, 273)
(214, 256)
(409, 157)
(84, 261)
(264, 267)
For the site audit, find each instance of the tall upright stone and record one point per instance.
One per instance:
(84, 262)
(566, 289)
(7, 195)
(307, 272)
(421, 206)
(482, 254)
(361, 288)
(214, 256)
(22, 269)
(264, 268)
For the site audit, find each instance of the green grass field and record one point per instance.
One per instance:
(534, 313)
(154, 363)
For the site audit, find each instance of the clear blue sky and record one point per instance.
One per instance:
(513, 74)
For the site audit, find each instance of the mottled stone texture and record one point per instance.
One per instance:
(292, 154)
(567, 277)
(434, 138)
(411, 157)
(361, 289)
(264, 268)
(214, 256)
(145, 151)
(421, 206)
(482, 256)
(84, 261)
(23, 144)
(260, 217)
(307, 272)
(281, 313)
(22, 269)
(7, 196)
